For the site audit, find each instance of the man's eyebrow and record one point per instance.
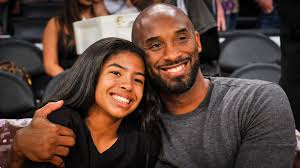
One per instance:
(183, 30)
(151, 39)
(119, 66)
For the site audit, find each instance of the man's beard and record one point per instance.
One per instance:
(178, 85)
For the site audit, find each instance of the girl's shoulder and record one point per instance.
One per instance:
(65, 116)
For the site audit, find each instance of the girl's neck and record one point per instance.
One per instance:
(103, 129)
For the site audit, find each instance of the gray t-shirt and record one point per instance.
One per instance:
(241, 123)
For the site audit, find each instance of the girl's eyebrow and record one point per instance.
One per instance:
(120, 66)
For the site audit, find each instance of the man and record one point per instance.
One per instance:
(211, 122)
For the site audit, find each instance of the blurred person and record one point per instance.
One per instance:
(119, 6)
(231, 11)
(59, 50)
(201, 14)
(3, 5)
(110, 107)
(269, 17)
(290, 54)
(210, 122)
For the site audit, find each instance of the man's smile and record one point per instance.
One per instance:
(175, 70)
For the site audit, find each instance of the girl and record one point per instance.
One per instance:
(110, 107)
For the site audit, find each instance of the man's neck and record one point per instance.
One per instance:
(178, 104)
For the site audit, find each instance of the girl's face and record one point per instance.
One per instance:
(120, 85)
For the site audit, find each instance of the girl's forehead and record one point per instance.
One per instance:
(126, 59)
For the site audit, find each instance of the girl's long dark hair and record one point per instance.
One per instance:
(78, 86)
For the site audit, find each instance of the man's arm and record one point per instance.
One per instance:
(267, 131)
(41, 140)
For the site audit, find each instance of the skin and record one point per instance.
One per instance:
(122, 76)
(99, 8)
(171, 49)
(265, 5)
(221, 22)
(3, 1)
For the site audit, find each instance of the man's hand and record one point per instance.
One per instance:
(43, 141)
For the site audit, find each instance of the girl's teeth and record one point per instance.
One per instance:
(121, 99)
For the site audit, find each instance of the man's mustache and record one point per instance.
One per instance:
(174, 62)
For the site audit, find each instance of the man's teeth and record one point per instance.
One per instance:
(121, 99)
(176, 69)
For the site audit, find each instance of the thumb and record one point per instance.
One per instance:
(48, 108)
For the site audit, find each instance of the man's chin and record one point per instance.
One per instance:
(177, 86)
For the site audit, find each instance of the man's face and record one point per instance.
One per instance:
(172, 48)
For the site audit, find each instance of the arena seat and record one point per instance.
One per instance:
(245, 48)
(17, 100)
(262, 71)
(26, 55)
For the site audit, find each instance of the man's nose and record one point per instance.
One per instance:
(172, 52)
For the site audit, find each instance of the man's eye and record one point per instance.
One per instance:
(155, 46)
(116, 73)
(182, 38)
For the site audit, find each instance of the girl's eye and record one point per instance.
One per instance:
(116, 73)
(139, 81)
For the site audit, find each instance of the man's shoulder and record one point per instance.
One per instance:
(241, 88)
(237, 82)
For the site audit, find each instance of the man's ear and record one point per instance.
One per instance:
(198, 43)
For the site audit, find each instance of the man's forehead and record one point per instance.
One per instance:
(156, 26)
(161, 9)
(158, 19)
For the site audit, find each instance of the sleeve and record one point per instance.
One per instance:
(268, 133)
(31, 164)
